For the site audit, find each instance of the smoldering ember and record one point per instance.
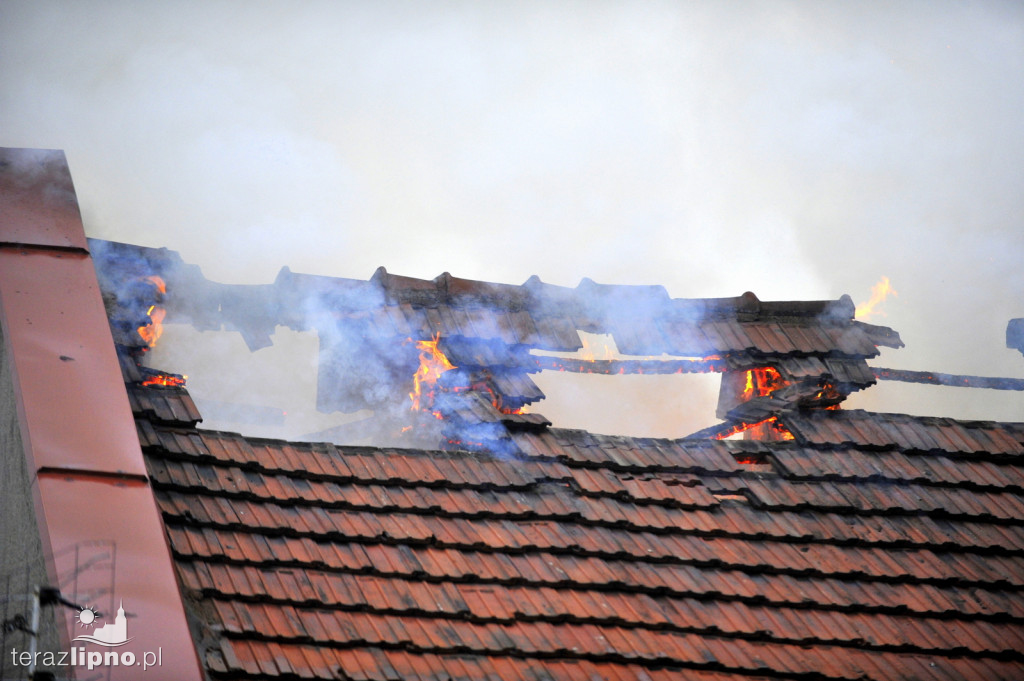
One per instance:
(450, 530)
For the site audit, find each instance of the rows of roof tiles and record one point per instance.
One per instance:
(627, 452)
(369, 663)
(293, 455)
(857, 464)
(340, 463)
(549, 536)
(465, 610)
(450, 566)
(869, 429)
(336, 469)
(446, 502)
(170, 405)
(766, 338)
(845, 429)
(524, 644)
(218, 545)
(644, 320)
(598, 496)
(310, 555)
(883, 496)
(598, 506)
(447, 600)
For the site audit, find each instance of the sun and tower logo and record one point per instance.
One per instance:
(110, 635)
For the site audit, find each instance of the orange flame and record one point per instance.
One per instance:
(433, 363)
(154, 328)
(160, 284)
(879, 292)
(780, 431)
(762, 381)
(748, 389)
(592, 344)
(166, 381)
(734, 430)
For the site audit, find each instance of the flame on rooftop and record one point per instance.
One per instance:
(433, 363)
(154, 326)
(879, 292)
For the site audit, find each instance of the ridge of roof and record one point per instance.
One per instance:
(445, 289)
(806, 340)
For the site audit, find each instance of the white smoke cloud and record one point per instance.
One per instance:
(795, 149)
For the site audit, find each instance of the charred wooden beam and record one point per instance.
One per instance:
(933, 378)
(630, 366)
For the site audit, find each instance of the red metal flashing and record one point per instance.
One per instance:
(73, 411)
(39, 206)
(77, 507)
(62, 350)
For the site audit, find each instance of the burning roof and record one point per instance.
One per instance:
(827, 544)
(477, 344)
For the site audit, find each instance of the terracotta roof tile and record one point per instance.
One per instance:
(873, 547)
(860, 428)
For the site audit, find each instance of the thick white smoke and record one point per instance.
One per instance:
(797, 150)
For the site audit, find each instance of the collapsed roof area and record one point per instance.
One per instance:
(826, 544)
(467, 349)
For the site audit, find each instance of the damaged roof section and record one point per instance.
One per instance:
(859, 546)
(371, 334)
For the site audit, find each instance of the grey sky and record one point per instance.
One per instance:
(799, 150)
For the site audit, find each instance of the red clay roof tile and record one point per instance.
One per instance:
(901, 531)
